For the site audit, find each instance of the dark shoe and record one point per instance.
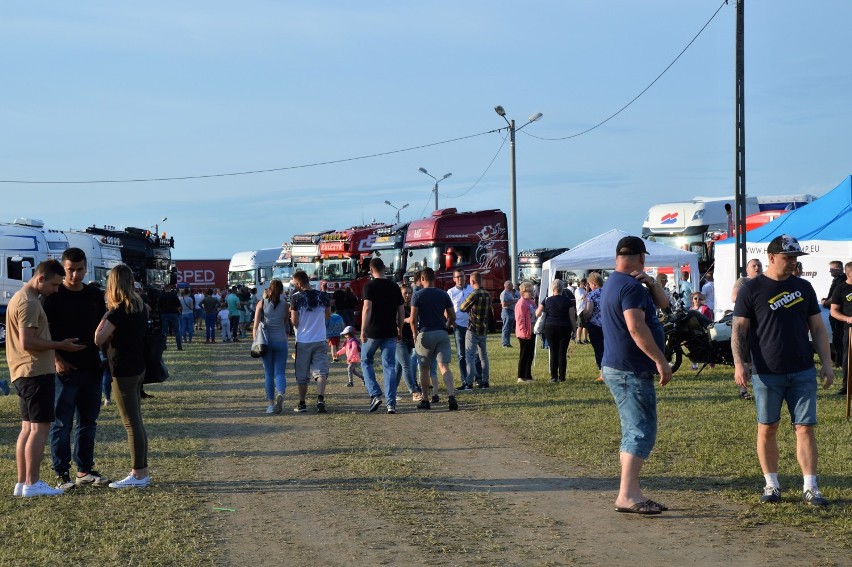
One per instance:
(64, 481)
(647, 507)
(814, 498)
(465, 388)
(554, 380)
(301, 408)
(841, 392)
(771, 495)
(435, 399)
(452, 404)
(484, 385)
(424, 405)
(745, 395)
(391, 409)
(145, 394)
(279, 404)
(321, 406)
(375, 402)
(91, 478)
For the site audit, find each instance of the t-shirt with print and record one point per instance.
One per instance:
(842, 296)
(386, 298)
(431, 304)
(622, 292)
(311, 305)
(778, 314)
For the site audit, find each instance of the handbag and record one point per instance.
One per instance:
(260, 345)
(538, 328)
(156, 370)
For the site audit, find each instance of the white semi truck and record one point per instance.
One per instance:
(253, 268)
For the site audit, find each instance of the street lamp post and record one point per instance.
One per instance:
(423, 170)
(157, 227)
(397, 209)
(513, 227)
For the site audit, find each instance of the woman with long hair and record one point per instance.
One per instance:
(123, 328)
(273, 311)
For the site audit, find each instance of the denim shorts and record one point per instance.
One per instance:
(798, 389)
(636, 399)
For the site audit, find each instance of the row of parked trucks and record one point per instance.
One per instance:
(445, 241)
(25, 243)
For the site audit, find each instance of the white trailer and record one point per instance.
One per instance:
(24, 244)
(253, 268)
(103, 253)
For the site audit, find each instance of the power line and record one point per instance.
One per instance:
(620, 110)
(253, 172)
(483, 173)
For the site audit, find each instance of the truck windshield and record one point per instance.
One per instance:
(244, 277)
(693, 243)
(283, 273)
(529, 273)
(339, 269)
(393, 259)
(157, 278)
(310, 268)
(425, 258)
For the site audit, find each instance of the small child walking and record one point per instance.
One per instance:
(352, 348)
(333, 330)
(225, 320)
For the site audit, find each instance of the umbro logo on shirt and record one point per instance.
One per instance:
(785, 299)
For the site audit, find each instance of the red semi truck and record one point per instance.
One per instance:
(203, 274)
(449, 240)
(342, 253)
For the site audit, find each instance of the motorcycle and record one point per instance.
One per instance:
(702, 341)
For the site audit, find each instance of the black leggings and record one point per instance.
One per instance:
(557, 341)
(596, 337)
(525, 357)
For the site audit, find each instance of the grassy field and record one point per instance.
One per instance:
(706, 443)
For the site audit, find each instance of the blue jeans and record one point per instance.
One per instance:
(78, 393)
(475, 345)
(274, 366)
(460, 335)
(187, 326)
(106, 383)
(210, 327)
(406, 367)
(636, 399)
(171, 321)
(368, 353)
(508, 325)
(798, 389)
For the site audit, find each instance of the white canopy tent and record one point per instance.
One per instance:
(599, 253)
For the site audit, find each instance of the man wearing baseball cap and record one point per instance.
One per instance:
(634, 351)
(772, 316)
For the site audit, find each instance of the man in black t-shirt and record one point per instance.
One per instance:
(841, 313)
(74, 311)
(772, 317)
(382, 318)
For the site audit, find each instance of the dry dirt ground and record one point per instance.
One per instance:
(441, 488)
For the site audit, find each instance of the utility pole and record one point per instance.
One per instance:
(739, 174)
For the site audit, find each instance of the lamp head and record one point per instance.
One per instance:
(535, 116)
(164, 219)
(445, 176)
(499, 110)
(388, 203)
(402, 207)
(423, 170)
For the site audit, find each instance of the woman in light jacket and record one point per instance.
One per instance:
(524, 309)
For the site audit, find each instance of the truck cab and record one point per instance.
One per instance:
(253, 268)
(342, 253)
(305, 253)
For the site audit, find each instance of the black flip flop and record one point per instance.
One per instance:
(647, 507)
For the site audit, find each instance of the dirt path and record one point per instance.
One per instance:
(441, 488)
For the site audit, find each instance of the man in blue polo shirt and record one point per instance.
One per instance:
(634, 351)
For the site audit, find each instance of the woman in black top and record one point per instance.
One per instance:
(557, 328)
(123, 328)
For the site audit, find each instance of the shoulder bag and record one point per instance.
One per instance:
(260, 345)
(156, 370)
(541, 321)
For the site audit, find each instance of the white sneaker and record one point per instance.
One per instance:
(40, 489)
(131, 482)
(270, 409)
(19, 489)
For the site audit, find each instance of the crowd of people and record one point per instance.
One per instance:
(60, 331)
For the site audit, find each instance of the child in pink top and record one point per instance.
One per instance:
(352, 348)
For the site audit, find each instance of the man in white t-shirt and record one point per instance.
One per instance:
(582, 335)
(309, 310)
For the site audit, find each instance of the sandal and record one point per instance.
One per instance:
(746, 396)
(644, 508)
(662, 507)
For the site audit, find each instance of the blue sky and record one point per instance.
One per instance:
(100, 90)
